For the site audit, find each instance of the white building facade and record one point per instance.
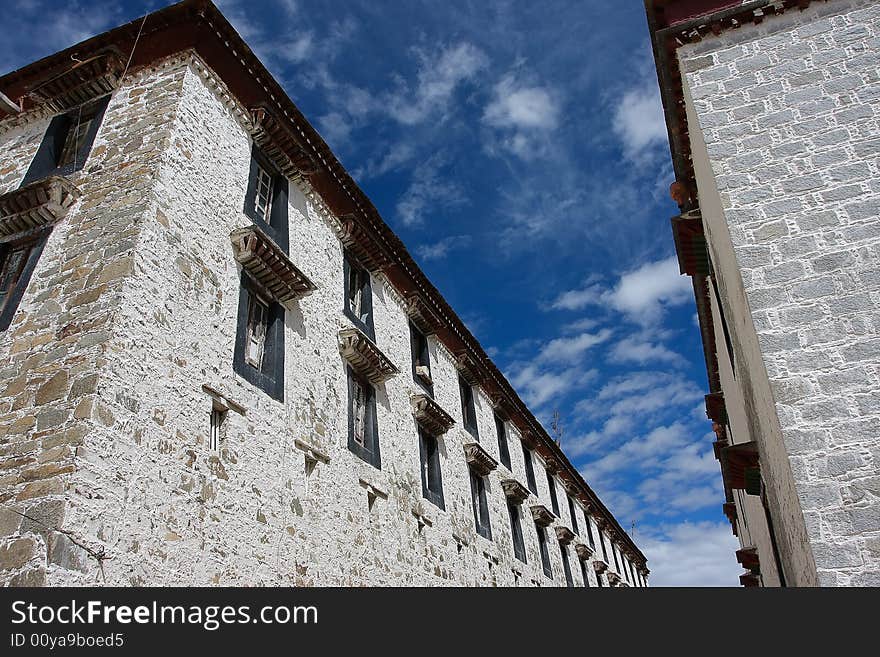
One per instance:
(220, 367)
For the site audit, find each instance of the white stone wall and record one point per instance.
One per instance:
(147, 490)
(789, 113)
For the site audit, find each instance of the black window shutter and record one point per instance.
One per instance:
(270, 377)
(45, 162)
(15, 294)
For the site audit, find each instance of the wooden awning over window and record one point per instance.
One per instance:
(430, 415)
(729, 509)
(740, 468)
(365, 357)
(83, 81)
(564, 535)
(542, 515)
(749, 580)
(690, 244)
(479, 459)
(613, 578)
(269, 266)
(600, 566)
(715, 408)
(514, 491)
(39, 204)
(422, 314)
(583, 551)
(469, 367)
(278, 143)
(362, 244)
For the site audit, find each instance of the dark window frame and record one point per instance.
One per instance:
(468, 408)
(529, 465)
(270, 376)
(369, 453)
(277, 227)
(34, 241)
(45, 161)
(544, 550)
(589, 530)
(566, 565)
(352, 268)
(431, 472)
(516, 532)
(421, 356)
(480, 503)
(503, 446)
(554, 498)
(574, 520)
(585, 573)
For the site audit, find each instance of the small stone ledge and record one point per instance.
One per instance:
(222, 401)
(36, 205)
(373, 492)
(430, 415)
(269, 266)
(312, 452)
(365, 357)
(461, 541)
(469, 367)
(613, 578)
(600, 566)
(515, 491)
(584, 551)
(479, 459)
(422, 517)
(542, 516)
(564, 535)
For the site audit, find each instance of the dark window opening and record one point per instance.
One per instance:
(363, 429)
(481, 505)
(566, 566)
(530, 470)
(614, 554)
(545, 554)
(468, 410)
(574, 520)
(18, 258)
(585, 573)
(519, 546)
(259, 341)
(589, 531)
(265, 201)
(503, 448)
(432, 480)
(724, 327)
(602, 543)
(554, 501)
(599, 580)
(359, 297)
(421, 359)
(67, 142)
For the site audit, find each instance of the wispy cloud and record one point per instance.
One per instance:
(521, 113)
(430, 187)
(441, 248)
(638, 121)
(642, 294)
(640, 350)
(440, 74)
(570, 349)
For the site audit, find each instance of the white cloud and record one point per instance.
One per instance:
(571, 349)
(521, 115)
(539, 386)
(440, 249)
(643, 293)
(585, 324)
(691, 554)
(634, 349)
(579, 299)
(522, 107)
(638, 121)
(438, 78)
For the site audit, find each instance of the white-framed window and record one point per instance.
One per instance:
(218, 417)
(255, 345)
(263, 195)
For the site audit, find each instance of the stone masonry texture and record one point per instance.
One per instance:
(790, 113)
(104, 421)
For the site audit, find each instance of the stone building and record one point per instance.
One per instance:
(772, 109)
(218, 365)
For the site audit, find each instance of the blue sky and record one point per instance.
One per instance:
(519, 151)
